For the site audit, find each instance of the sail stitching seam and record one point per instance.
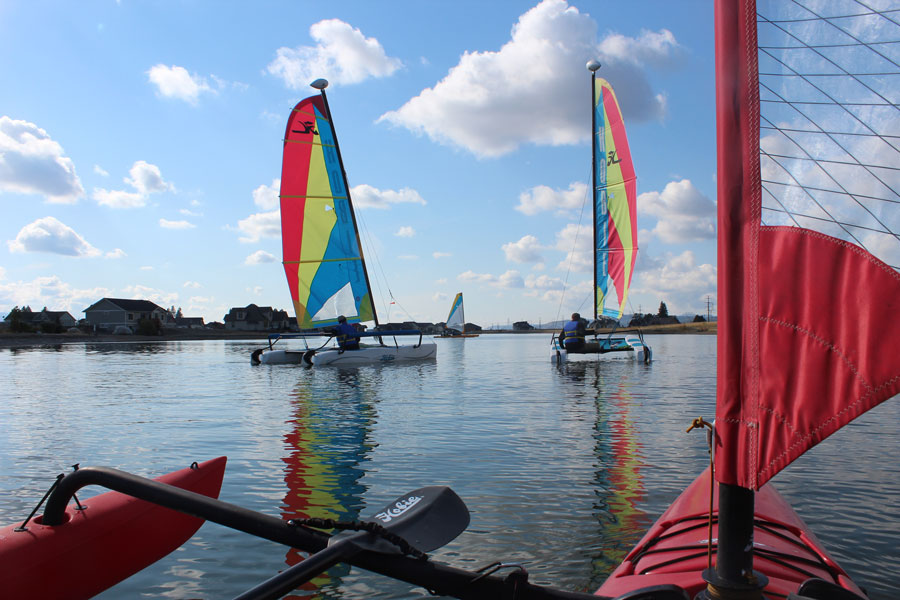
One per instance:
(753, 116)
(843, 243)
(872, 391)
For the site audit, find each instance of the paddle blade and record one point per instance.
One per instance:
(427, 518)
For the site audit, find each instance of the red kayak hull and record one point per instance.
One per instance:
(114, 537)
(674, 549)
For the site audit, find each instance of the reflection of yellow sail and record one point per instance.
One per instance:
(325, 444)
(619, 454)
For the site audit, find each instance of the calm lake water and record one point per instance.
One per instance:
(563, 469)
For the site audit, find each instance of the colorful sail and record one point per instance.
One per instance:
(807, 195)
(457, 318)
(615, 205)
(321, 250)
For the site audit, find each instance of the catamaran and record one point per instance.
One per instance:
(322, 254)
(456, 321)
(615, 227)
(805, 132)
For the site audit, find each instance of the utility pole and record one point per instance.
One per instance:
(707, 309)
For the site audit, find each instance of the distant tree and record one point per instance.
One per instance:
(663, 310)
(149, 327)
(18, 319)
(699, 319)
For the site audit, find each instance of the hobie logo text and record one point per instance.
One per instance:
(400, 507)
(308, 127)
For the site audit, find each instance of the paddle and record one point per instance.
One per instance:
(425, 519)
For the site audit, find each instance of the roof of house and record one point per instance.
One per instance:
(129, 304)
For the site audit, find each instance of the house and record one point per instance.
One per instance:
(109, 313)
(189, 323)
(522, 326)
(257, 318)
(46, 320)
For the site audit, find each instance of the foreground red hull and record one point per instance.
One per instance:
(674, 550)
(114, 537)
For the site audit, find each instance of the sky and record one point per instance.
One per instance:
(140, 150)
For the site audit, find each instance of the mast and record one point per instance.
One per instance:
(321, 84)
(592, 66)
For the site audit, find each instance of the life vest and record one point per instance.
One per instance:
(571, 331)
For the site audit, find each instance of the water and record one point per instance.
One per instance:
(563, 469)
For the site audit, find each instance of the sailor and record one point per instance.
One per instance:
(573, 334)
(347, 337)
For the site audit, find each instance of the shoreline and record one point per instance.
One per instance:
(29, 340)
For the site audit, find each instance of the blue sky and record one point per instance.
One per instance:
(140, 149)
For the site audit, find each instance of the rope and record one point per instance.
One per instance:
(699, 423)
(373, 528)
(575, 245)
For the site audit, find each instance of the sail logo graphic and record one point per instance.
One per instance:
(399, 508)
(308, 127)
(612, 158)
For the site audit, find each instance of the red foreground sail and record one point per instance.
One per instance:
(808, 323)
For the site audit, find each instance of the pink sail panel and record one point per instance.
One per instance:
(808, 323)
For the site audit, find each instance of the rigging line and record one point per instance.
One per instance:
(829, 175)
(871, 74)
(364, 228)
(871, 12)
(830, 161)
(839, 145)
(843, 31)
(575, 242)
(811, 197)
(849, 133)
(806, 216)
(815, 201)
(884, 43)
(836, 192)
(883, 14)
(778, 200)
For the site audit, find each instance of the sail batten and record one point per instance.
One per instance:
(322, 258)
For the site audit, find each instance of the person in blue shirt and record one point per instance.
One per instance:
(347, 337)
(573, 334)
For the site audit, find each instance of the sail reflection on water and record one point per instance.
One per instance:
(327, 443)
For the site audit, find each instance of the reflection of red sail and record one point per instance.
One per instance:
(620, 460)
(322, 470)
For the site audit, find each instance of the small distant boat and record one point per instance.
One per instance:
(615, 228)
(99, 542)
(323, 258)
(456, 321)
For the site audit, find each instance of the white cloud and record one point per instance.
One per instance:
(441, 281)
(260, 225)
(531, 90)
(576, 241)
(146, 268)
(192, 284)
(145, 178)
(509, 279)
(166, 224)
(266, 196)
(176, 82)
(259, 257)
(678, 281)
(366, 196)
(440, 297)
(542, 198)
(143, 292)
(543, 282)
(32, 163)
(342, 54)
(526, 250)
(50, 235)
(189, 213)
(441, 254)
(684, 214)
(51, 292)
(405, 231)
(100, 171)
(117, 253)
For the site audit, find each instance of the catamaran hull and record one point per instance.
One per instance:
(112, 538)
(375, 355)
(279, 357)
(631, 346)
(674, 550)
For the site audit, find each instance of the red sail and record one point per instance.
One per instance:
(808, 323)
